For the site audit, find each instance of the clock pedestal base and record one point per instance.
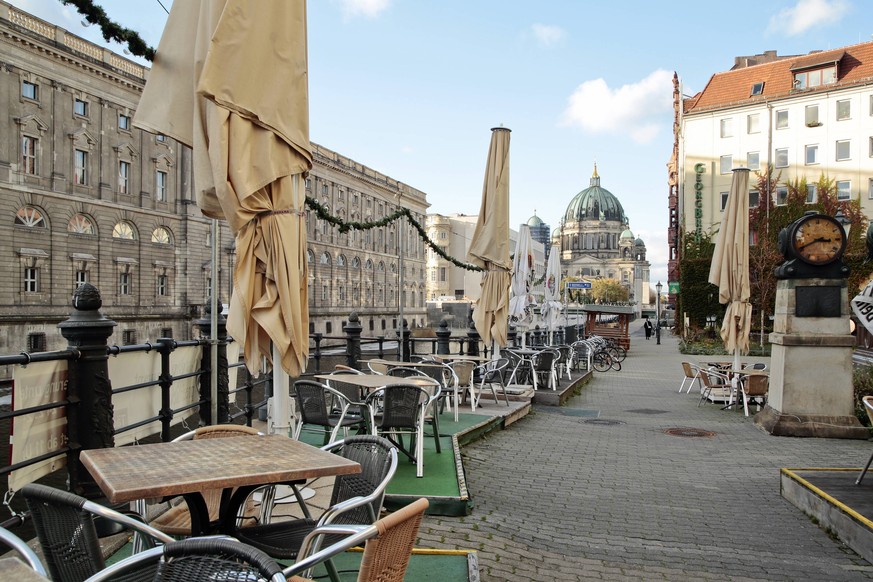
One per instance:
(811, 392)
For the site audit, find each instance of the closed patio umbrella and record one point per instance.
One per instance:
(522, 267)
(489, 247)
(230, 80)
(730, 267)
(551, 309)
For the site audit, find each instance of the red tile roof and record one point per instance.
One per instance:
(731, 88)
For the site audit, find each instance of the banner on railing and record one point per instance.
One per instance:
(138, 405)
(33, 435)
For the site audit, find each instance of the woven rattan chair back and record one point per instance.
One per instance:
(373, 454)
(401, 405)
(386, 557)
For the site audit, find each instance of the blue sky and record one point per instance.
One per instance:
(412, 88)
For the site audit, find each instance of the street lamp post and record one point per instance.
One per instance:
(658, 288)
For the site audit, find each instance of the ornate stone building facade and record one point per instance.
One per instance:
(89, 198)
(596, 242)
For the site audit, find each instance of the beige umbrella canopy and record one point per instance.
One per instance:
(730, 266)
(489, 248)
(230, 80)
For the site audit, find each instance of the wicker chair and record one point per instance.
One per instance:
(325, 410)
(15, 543)
(64, 524)
(755, 389)
(399, 409)
(465, 384)
(356, 499)
(387, 552)
(691, 373)
(212, 558)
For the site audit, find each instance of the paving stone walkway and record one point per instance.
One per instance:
(560, 498)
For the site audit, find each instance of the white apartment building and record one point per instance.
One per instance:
(808, 116)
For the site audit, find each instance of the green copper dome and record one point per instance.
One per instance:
(534, 220)
(595, 203)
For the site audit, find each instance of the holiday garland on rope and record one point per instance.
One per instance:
(345, 226)
(111, 30)
(137, 46)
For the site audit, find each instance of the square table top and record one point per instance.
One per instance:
(374, 381)
(175, 468)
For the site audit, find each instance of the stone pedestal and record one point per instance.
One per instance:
(811, 391)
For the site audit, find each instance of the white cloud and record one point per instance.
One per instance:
(636, 109)
(367, 8)
(548, 35)
(807, 14)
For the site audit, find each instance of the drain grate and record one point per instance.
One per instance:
(646, 411)
(602, 421)
(689, 432)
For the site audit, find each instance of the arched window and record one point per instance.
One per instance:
(124, 230)
(369, 265)
(341, 261)
(310, 256)
(356, 263)
(30, 217)
(325, 258)
(81, 224)
(161, 236)
(381, 267)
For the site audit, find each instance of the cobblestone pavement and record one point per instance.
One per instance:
(556, 498)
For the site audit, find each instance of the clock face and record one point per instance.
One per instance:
(818, 239)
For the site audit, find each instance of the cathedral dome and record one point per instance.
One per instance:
(595, 203)
(627, 235)
(639, 242)
(534, 220)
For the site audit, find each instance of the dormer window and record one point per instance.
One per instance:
(815, 77)
(757, 89)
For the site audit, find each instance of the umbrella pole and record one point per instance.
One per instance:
(213, 333)
(279, 423)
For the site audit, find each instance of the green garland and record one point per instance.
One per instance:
(112, 31)
(345, 226)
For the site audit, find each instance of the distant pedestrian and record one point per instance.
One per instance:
(648, 327)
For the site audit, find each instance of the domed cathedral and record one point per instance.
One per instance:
(596, 242)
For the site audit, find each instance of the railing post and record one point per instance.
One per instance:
(443, 334)
(380, 341)
(407, 344)
(353, 331)
(90, 423)
(316, 353)
(472, 341)
(536, 336)
(205, 326)
(165, 348)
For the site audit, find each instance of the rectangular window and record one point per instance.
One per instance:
(161, 137)
(166, 332)
(433, 276)
(724, 199)
(124, 122)
(781, 196)
(727, 127)
(161, 186)
(782, 119)
(871, 147)
(844, 109)
(811, 154)
(782, 158)
(757, 89)
(844, 149)
(80, 107)
(324, 294)
(163, 286)
(753, 123)
(128, 337)
(870, 188)
(442, 274)
(871, 105)
(28, 154)
(726, 164)
(124, 177)
(811, 193)
(753, 160)
(754, 199)
(80, 168)
(124, 283)
(844, 189)
(80, 279)
(36, 342)
(812, 116)
(30, 90)
(31, 280)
